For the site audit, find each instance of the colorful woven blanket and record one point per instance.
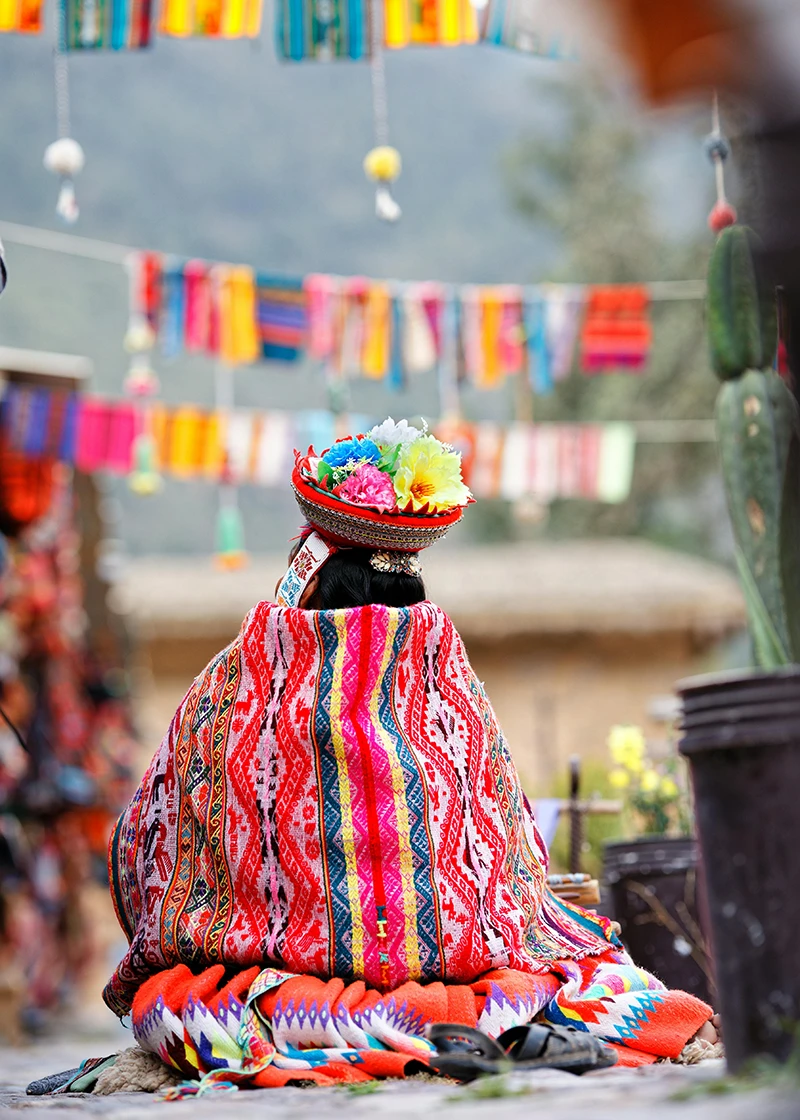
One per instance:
(268, 1028)
(335, 797)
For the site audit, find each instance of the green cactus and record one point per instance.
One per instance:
(758, 427)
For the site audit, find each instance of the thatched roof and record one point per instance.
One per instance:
(549, 588)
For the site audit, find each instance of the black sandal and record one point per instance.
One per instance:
(464, 1053)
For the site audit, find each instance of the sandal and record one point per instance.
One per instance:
(464, 1053)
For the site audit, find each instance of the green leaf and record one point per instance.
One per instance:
(325, 474)
(769, 650)
(388, 462)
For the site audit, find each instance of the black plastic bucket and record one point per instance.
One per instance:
(654, 893)
(741, 735)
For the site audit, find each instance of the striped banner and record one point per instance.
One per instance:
(117, 25)
(211, 19)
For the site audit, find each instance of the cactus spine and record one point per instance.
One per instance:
(758, 427)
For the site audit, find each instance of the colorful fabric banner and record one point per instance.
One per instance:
(24, 16)
(547, 461)
(282, 317)
(211, 19)
(443, 23)
(322, 30)
(616, 331)
(116, 25)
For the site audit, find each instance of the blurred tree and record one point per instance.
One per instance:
(579, 178)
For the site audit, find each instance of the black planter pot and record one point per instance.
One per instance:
(741, 735)
(653, 887)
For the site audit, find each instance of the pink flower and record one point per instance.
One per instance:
(368, 486)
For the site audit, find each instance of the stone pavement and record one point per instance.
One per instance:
(663, 1092)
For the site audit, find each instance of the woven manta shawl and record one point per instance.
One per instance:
(334, 797)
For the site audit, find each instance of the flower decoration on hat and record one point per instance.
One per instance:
(395, 487)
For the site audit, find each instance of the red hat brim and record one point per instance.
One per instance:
(346, 523)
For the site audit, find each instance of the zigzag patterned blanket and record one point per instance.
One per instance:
(268, 1028)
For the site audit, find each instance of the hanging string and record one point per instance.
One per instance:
(64, 157)
(718, 150)
(383, 163)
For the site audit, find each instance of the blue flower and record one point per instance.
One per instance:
(353, 451)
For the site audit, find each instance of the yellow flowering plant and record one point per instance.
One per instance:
(651, 792)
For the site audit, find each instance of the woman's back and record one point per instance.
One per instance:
(335, 797)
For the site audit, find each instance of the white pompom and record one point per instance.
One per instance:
(385, 206)
(64, 157)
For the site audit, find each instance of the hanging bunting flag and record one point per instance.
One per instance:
(563, 307)
(441, 23)
(377, 332)
(24, 16)
(537, 27)
(238, 337)
(201, 322)
(322, 29)
(282, 317)
(617, 453)
(211, 19)
(173, 323)
(117, 25)
(617, 334)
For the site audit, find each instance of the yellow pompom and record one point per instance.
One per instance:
(383, 164)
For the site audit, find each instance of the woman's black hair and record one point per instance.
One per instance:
(348, 579)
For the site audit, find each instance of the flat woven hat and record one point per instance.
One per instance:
(397, 488)
(347, 523)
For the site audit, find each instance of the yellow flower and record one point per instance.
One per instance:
(627, 747)
(619, 779)
(668, 788)
(429, 474)
(650, 781)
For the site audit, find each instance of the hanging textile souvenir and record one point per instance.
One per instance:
(238, 337)
(276, 440)
(92, 434)
(377, 332)
(486, 469)
(186, 432)
(238, 445)
(351, 338)
(281, 317)
(511, 333)
(540, 371)
(200, 335)
(173, 317)
(514, 470)
(563, 305)
(322, 29)
(617, 334)
(536, 27)
(470, 334)
(320, 292)
(542, 481)
(116, 25)
(449, 401)
(211, 19)
(123, 424)
(24, 16)
(491, 311)
(430, 22)
(418, 341)
(615, 471)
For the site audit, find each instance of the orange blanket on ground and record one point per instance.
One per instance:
(269, 1028)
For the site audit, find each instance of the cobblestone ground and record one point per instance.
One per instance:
(657, 1093)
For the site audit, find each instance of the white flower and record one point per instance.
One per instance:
(389, 434)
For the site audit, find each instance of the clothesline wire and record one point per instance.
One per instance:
(108, 252)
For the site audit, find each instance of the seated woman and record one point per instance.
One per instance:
(331, 852)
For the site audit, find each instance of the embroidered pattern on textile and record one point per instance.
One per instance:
(343, 776)
(269, 1027)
